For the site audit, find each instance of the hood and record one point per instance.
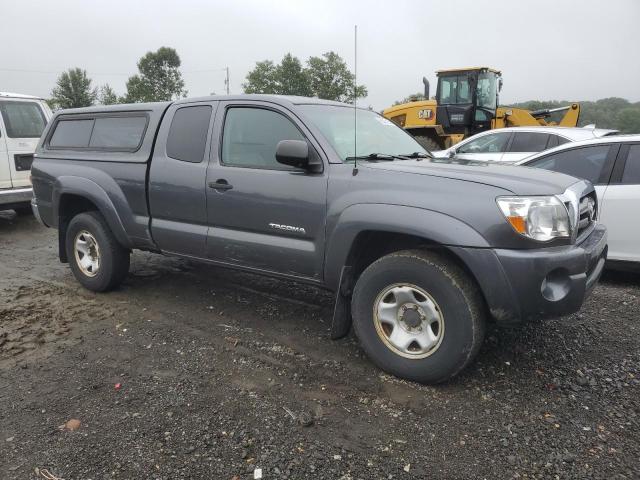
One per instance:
(517, 179)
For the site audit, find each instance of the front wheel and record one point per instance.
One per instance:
(97, 260)
(418, 315)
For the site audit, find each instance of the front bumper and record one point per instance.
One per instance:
(521, 285)
(15, 197)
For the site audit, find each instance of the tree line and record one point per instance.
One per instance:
(159, 79)
(327, 77)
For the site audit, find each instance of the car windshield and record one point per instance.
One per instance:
(375, 134)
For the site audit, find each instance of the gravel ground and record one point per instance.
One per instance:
(190, 371)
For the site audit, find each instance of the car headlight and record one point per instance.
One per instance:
(539, 218)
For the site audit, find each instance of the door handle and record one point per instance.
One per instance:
(220, 184)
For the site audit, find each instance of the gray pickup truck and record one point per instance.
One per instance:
(419, 252)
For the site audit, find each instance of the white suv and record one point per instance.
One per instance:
(22, 120)
(515, 143)
(612, 164)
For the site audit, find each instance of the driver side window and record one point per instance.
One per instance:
(495, 143)
(251, 135)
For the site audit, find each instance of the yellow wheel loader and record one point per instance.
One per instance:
(466, 103)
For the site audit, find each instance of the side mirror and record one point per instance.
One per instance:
(452, 153)
(295, 153)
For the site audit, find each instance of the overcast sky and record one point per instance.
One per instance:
(546, 49)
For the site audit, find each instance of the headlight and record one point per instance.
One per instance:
(539, 218)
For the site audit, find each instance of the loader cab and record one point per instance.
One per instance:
(467, 99)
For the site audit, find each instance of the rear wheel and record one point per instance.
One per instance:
(418, 315)
(23, 209)
(96, 258)
(427, 142)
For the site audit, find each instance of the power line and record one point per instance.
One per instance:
(20, 70)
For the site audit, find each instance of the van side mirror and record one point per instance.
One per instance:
(295, 153)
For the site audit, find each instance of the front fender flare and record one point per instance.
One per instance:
(431, 225)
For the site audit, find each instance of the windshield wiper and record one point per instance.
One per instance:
(374, 156)
(417, 155)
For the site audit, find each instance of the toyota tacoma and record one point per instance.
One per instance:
(421, 253)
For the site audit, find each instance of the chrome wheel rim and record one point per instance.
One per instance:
(408, 320)
(87, 253)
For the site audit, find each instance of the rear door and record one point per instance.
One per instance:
(489, 147)
(525, 144)
(24, 121)
(262, 214)
(177, 179)
(621, 204)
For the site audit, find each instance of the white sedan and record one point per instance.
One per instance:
(612, 164)
(515, 143)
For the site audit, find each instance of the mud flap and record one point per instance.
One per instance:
(341, 323)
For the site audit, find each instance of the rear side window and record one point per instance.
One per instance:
(589, 163)
(121, 133)
(118, 132)
(22, 119)
(72, 134)
(631, 174)
(529, 142)
(188, 133)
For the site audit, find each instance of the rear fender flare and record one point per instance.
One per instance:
(112, 211)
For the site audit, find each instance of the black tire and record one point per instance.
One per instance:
(23, 210)
(114, 258)
(459, 301)
(427, 142)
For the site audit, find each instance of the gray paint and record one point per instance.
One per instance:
(167, 205)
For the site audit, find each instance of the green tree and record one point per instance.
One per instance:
(262, 79)
(107, 95)
(73, 90)
(292, 78)
(159, 78)
(414, 97)
(331, 79)
(628, 120)
(325, 77)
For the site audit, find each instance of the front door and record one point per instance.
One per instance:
(262, 214)
(487, 148)
(621, 204)
(24, 121)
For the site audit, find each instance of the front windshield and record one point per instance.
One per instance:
(376, 134)
(486, 90)
(454, 89)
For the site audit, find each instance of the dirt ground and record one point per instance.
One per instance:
(190, 371)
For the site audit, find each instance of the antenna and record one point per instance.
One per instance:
(355, 99)
(226, 80)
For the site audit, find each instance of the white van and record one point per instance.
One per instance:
(22, 120)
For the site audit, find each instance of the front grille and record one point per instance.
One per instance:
(588, 213)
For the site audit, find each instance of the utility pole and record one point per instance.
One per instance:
(226, 80)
